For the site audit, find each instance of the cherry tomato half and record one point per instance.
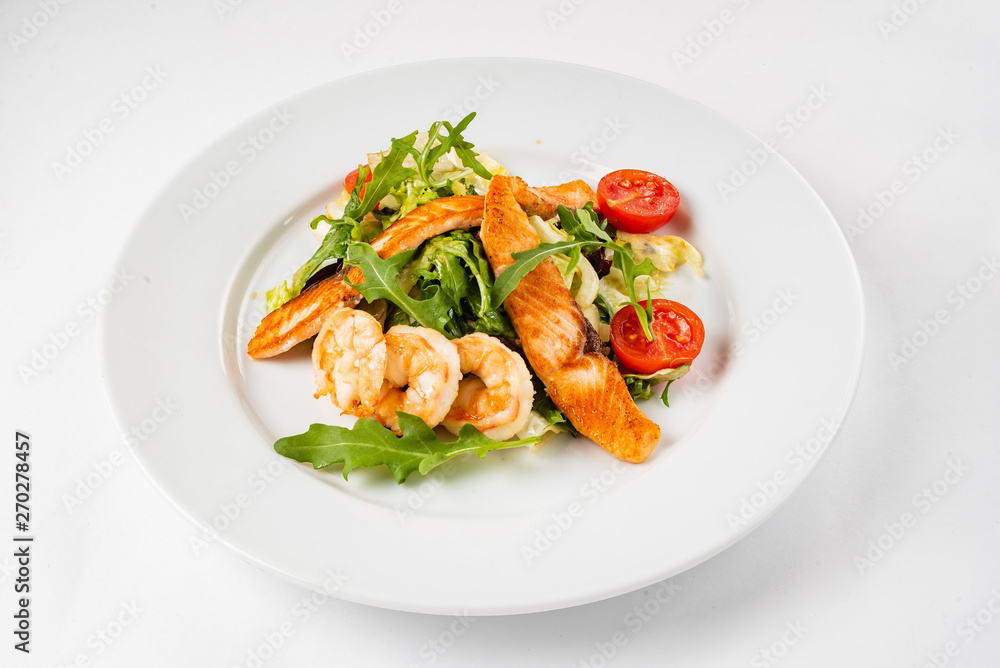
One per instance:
(678, 334)
(352, 179)
(637, 201)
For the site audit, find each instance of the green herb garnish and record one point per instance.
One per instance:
(368, 443)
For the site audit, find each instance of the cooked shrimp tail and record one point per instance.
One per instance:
(422, 373)
(349, 358)
(497, 393)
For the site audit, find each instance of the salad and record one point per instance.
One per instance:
(446, 292)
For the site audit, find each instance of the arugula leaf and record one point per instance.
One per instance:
(625, 263)
(464, 148)
(438, 144)
(603, 309)
(381, 282)
(388, 177)
(368, 443)
(456, 264)
(666, 388)
(524, 262)
(583, 223)
(333, 247)
(587, 232)
(670, 377)
(388, 174)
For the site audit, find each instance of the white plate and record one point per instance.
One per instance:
(515, 532)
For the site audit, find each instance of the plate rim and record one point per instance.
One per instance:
(842, 412)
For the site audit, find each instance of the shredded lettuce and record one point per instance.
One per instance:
(540, 428)
(407, 196)
(548, 230)
(581, 280)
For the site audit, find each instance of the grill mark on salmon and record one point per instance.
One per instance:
(302, 317)
(583, 383)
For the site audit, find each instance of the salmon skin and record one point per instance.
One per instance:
(583, 383)
(302, 317)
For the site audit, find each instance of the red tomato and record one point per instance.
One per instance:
(352, 179)
(677, 337)
(637, 201)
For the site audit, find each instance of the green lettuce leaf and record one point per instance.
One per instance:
(640, 386)
(382, 282)
(333, 247)
(410, 187)
(410, 194)
(544, 406)
(368, 443)
(455, 264)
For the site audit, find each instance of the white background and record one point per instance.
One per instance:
(889, 91)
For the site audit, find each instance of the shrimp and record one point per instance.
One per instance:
(421, 376)
(298, 319)
(349, 357)
(496, 398)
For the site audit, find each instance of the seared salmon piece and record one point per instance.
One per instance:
(545, 201)
(583, 383)
(302, 317)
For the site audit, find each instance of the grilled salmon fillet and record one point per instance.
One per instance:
(302, 317)
(545, 201)
(583, 383)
